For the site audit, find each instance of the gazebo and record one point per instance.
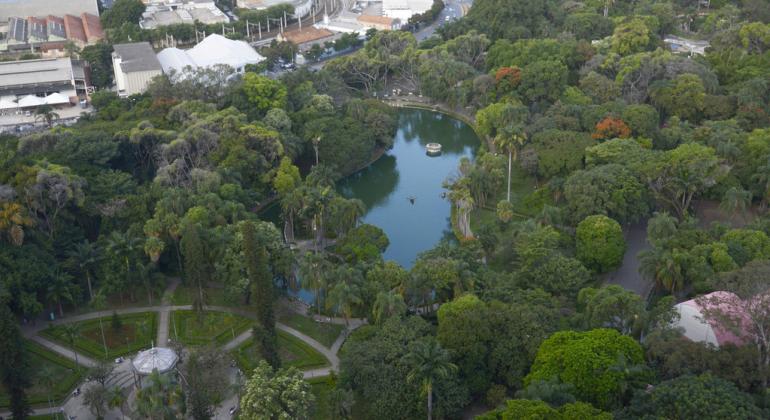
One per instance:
(161, 359)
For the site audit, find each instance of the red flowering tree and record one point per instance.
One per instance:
(507, 78)
(611, 128)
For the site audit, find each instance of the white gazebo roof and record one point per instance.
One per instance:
(6, 102)
(161, 359)
(56, 99)
(31, 100)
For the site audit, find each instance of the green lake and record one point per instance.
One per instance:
(405, 172)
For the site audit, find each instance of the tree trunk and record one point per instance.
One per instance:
(90, 288)
(509, 176)
(61, 310)
(430, 403)
(104, 341)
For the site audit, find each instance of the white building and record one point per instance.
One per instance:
(687, 46)
(181, 11)
(134, 65)
(213, 50)
(404, 9)
(301, 7)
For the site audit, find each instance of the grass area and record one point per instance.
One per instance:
(44, 364)
(321, 387)
(322, 332)
(215, 327)
(184, 295)
(292, 351)
(524, 204)
(137, 332)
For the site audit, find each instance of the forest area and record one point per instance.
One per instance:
(590, 126)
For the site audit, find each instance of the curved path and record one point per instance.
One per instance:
(31, 332)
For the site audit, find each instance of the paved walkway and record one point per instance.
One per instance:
(627, 275)
(75, 405)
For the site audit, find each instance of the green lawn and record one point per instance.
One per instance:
(324, 333)
(215, 327)
(44, 363)
(137, 332)
(321, 388)
(293, 352)
(183, 295)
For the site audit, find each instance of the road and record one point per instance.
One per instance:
(627, 275)
(453, 9)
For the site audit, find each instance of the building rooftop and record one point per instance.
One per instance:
(137, 56)
(162, 14)
(161, 359)
(379, 20)
(307, 34)
(28, 8)
(93, 27)
(30, 72)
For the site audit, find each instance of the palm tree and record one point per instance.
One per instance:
(85, 256)
(123, 246)
(341, 402)
(429, 363)
(386, 305)
(13, 220)
(607, 4)
(291, 204)
(735, 200)
(48, 380)
(60, 290)
(343, 298)
(662, 266)
(116, 399)
(313, 268)
(463, 199)
(71, 333)
(510, 143)
(158, 400)
(98, 302)
(316, 142)
(47, 114)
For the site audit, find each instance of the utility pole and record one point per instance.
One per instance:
(259, 27)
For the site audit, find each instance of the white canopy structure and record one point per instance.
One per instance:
(213, 50)
(161, 359)
(31, 100)
(697, 328)
(7, 102)
(56, 99)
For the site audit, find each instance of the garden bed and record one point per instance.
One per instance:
(215, 327)
(292, 351)
(137, 332)
(323, 332)
(62, 371)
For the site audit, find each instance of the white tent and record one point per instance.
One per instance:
(31, 100)
(213, 50)
(7, 102)
(695, 327)
(56, 99)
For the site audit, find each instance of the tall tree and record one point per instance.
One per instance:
(84, 257)
(429, 364)
(71, 333)
(313, 268)
(272, 395)
(196, 265)
(14, 370)
(260, 276)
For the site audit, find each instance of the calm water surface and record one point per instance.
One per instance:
(406, 171)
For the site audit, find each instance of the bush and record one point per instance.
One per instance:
(600, 244)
